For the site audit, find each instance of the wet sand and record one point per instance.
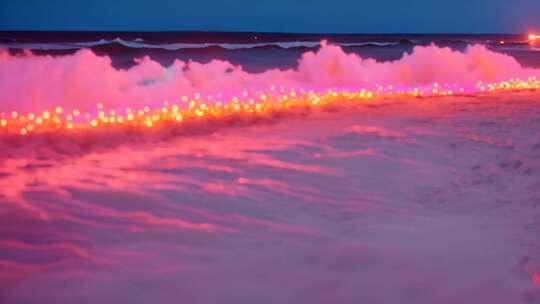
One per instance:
(407, 201)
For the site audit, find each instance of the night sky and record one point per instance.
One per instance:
(353, 16)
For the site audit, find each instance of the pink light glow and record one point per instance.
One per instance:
(536, 278)
(34, 83)
(84, 91)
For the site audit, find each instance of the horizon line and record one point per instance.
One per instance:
(252, 32)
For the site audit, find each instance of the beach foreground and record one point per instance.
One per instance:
(436, 200)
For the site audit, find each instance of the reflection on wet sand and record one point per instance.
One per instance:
(417, 197)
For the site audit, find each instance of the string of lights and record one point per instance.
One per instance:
(59, 119)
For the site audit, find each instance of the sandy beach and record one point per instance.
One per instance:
(436, 200)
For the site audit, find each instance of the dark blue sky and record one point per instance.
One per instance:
(373, 16)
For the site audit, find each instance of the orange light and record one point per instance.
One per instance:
(266, 102)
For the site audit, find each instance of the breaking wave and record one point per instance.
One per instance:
(30, 82)
(142, 44)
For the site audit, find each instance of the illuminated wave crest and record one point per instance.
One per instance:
(77, 88)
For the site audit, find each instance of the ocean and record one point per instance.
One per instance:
(255, 52)
(269, 168)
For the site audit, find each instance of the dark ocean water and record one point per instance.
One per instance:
(253, 51)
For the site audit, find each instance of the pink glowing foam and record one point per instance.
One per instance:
(34, 83)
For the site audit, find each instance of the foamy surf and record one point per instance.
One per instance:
(84, 91)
